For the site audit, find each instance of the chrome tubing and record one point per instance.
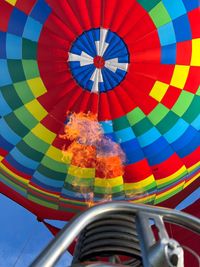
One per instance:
(51, 254)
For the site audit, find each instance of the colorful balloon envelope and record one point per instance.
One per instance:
(136, 64)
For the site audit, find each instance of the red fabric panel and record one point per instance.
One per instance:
(141, 170)
(25, 6)
(6, 10)
(171, 96)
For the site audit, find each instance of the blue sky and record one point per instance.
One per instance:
(22, 237)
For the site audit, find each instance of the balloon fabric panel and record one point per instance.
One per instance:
(130, 63)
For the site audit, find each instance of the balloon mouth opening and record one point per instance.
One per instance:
(99, 62)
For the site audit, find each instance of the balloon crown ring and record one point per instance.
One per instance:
(98, 60)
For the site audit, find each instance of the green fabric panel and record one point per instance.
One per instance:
(173, 181)
(36, 143)
(26, 117)
(148, 4)
(159, 15)
(29, 151)
(159, 112)
(30, 69)
(120, 123)
(145, 190)
(16, 125)
(103, 195)
(135, 116)
(42, 202)
(29, 49)
(79, 189)
(72, 202)
(10, 94)
(106, 191)
(20, 189)
(24, 92)
(198, 91)
(193, 111)
(16, 70)
(168, 195)
(57, 166)
(167, 123)
(183, 103)
(49, 173)
(84, 181)
(142, 127)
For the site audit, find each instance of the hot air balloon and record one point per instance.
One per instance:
(135, 64)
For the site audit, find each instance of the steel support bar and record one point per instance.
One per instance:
(50, 255)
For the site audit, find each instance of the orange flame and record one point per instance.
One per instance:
(90, 148)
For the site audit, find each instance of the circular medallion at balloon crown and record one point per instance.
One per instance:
(98, 60)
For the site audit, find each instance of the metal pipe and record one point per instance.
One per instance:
(50, 255)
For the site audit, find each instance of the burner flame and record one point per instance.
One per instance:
(91, 150)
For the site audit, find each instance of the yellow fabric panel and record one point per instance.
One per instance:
(43, 133)
(159, 90)
(195, 60)
(194, 167)
(179, 76)
(145, 199)
(55, 154)
(173, 189)
(12, 2)
(36, 110)
(37, 87)
(171, 177)
(101, 182)
(80, 172)
(138, 185)
(191, 180)
(44, 192)
(14, 175)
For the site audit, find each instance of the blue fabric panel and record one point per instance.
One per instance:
(190, 147)
(176, 131)
(157, 152)
(45, 186)
(124, 135)
(40, 11)
(167, 34)
(32, 29)
(4, 107)
(13, 46)
(89, 45)
(53, 183)
(8, 133)
(23, 160)
(182, 29)
(96, 33)
(196, 123)
(107, 126)
(5, 144)
(17, 22)
(175, 8)
(133, 151)
(91, 40)
(2, 45)
(71, 194)
(168, 54)
(4, 73)
(102, 87)
(111, 136)
(185, 139)
(149, 137)
(191, 4)
(18, 166)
